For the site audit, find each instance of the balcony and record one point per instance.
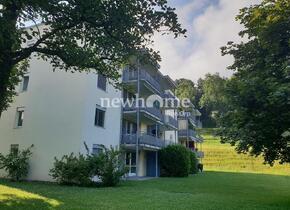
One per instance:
(132, 76)
(144, 140)
(170, 121)
(190, 133)
(156, 113)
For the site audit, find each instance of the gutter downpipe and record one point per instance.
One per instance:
(138, 119)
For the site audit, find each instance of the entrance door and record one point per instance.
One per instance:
(131, 163)
(151, 164)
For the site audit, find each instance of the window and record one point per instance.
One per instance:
(156, 104)
(129, 128)
(97, 149)
(25, 83)
(102, 82)
(19, 116)
(14, 148)
(100, 117)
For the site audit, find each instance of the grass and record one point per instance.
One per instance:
(223, 157)
(226, 184)
(210, 190)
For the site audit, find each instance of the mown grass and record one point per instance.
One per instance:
(216, 188)
(209, 190)
(223, 157)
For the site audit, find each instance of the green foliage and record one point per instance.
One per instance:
(212, 101)
(75, 169)
(186, 89)
(259, 91)
(81, 169)
(174, 161)
(80, 35)
(112, 167)
(208, 96)
(213, 87)
(16, 163)
(193, 163)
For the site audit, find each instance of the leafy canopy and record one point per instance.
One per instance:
(259, 93)
(79, 35)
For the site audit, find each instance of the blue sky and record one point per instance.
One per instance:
(210, 25)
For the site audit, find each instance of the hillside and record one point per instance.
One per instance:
(223, 157)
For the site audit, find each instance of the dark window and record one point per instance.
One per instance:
(25, 83)
(156, 104)
(97, 149)
(14, 148)
(19, 117)
(102, 82)
(100, 117)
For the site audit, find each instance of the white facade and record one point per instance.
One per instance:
(59, 114)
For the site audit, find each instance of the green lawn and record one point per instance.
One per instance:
(216, 188)
(223, 157)
(210, 190)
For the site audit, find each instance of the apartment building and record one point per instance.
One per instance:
(188, 122)
(146, 129)
(59, 112)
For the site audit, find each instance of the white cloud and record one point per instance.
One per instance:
(200, 53)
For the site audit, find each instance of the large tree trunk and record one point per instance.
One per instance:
(5, 86)
(8, 44)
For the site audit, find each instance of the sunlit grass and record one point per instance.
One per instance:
(10, 195)
(209, 190)
(223, 157)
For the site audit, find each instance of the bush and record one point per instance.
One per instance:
(193, 163)
(174, 161)
(80, 170)
(16, 163)
(74, 170)
(112, 167)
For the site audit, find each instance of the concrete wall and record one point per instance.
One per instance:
(59, 111)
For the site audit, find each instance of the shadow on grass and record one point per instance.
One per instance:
(207, 190)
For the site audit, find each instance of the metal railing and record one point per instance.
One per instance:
(151, 110)
(189, 132)
(129, 75)
(171, 121)
(144, 139)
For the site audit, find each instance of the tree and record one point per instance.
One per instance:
(78, 35)
(258, 94)
(210, 97)
(186, 89)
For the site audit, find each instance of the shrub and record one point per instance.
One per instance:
(193, 163)
(112, 167)
(80, 170)
(16, 163)
(174, 161)
(74, 169)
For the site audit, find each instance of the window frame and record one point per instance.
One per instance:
(14, 147)
(99, 109)
(24, 87)
(17, 117)
(99, 83)
(98, 148)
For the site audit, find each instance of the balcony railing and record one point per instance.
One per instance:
(129, 75)
(170, 121)
(185, 133)
(151, 110)
(144, 139)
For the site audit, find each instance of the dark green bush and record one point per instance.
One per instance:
(80, 170)
(74, 169)
(174, 161)
(16, 164)
(193, 163)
